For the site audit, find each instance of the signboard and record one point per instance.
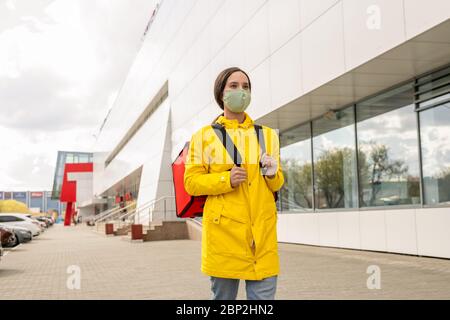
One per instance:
(37, 194)
(19, 195)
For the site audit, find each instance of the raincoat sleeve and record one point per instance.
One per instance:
(197, 180)
(277, 181)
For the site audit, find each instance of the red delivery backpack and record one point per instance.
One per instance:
(188, 206)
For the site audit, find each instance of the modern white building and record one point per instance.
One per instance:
(359, 90)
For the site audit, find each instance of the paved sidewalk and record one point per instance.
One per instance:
(115, 269)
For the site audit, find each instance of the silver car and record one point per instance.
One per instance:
(22, 235)
(20, 220)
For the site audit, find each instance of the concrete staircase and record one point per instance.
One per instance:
(169, 230)
(158, 231)
(123, 230)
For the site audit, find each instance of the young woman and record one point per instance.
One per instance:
(239, 239)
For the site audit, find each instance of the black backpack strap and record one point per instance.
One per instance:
(262, 145)
(227, 142)
(261, 140)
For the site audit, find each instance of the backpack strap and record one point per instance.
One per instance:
(261, 140)
(227, 142)
(262, 145)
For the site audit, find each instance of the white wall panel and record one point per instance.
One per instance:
(310, 10)
(304, 228)
(139, 150)
(285, 73)
(236, 16)
(261, 98)
(283, 233)
(373, 230)
(349, 233)
(421, 15)
(323, 49)
(256, 39)
(401, 234)
(328, 229)
(235, 51)
(371, 28)
(433, 236)
(284, 22)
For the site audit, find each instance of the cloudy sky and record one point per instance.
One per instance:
(62, 63)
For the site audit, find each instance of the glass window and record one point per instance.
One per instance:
(432, 88)
(435, 140)
(335, 178)
(388, 149)
(69, 158)
(84, 158)
(296, 194)
(36, 203)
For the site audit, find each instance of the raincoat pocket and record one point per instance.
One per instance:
(269, 228)
(269, 210)
(227, 233)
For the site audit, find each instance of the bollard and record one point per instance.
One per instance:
(136, 232)
(109, 228)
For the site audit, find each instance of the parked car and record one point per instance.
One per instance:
(45, 220)
(22, 235)
(20, 220)
(43, 225)
(7, 237)
(49, 219)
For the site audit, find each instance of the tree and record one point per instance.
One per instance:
(334, 174)
(296, 191)
(377, 168)
(13, 206)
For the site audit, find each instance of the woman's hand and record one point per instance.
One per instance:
(238, 175)
(270, 165)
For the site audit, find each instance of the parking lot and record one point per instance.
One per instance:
(78, 263)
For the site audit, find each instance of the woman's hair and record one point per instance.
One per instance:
(221, 82)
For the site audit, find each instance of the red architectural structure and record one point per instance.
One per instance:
(69, 188)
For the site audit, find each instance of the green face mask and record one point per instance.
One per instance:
(237, 100)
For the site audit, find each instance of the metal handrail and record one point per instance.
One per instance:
(102, 214)
(126, 216)
(133, 211)
(114, 212)
(137, 210)
(151, 207)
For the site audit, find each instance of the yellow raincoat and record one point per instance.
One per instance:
(239, 237)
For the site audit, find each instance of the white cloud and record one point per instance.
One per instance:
(61, 66)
